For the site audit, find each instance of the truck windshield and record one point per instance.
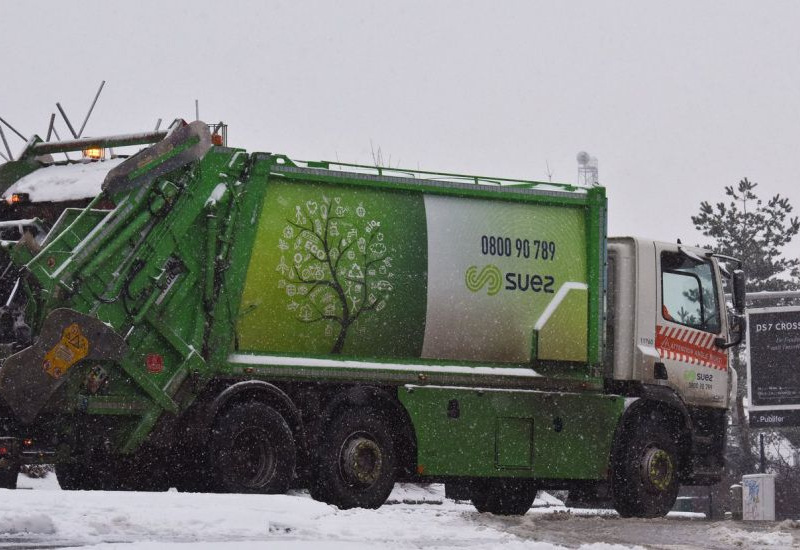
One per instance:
(688, 292)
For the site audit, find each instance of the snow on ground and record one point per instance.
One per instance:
(40, 515)
(64, 181)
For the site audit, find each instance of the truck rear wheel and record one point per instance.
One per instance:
(645, 470)
(355, 462)
(504, 497)
(254, 450)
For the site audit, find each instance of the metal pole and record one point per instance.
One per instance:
(51, 127)
(59, 139)
(197, 109)
(762, 466)
(158, 125)
(5, 142)
(710, 502)
(63, 114)
(102, 142)
(23, 138)
(80, 133)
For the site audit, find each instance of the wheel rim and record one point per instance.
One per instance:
(360, 460)
(252, 459)
(658, 469)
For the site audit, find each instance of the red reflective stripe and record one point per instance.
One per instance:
(690, 346)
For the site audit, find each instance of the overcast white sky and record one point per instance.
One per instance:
(676, 99)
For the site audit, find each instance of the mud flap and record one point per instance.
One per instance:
(30, 377)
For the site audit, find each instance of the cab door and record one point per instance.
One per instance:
(689, 320)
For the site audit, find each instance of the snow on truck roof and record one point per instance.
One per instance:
(64, 182)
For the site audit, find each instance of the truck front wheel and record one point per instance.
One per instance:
(355, 462)
(503, 497)
(645, 469)
(254, 450)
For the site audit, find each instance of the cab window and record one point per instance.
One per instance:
(688, 292)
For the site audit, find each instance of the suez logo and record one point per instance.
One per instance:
(490, 276)
(691, 376)
(494, 280)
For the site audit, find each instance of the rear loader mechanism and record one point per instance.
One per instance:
(92, 301)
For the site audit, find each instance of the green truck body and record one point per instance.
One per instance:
(244, 322)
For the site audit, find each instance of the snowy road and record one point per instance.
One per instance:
(40, 515)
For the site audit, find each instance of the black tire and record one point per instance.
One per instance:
(355, 462)
(8, 478)
(644, 480)
(253, 450)
(504, 497)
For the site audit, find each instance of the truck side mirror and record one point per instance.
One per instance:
(739, 298)
(741, 328)
(739, 293)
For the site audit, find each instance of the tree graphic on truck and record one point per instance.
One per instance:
(334, 264)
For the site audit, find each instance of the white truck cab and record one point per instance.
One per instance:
(668, 337)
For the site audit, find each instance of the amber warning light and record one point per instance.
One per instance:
(94, 153)
(18, 198)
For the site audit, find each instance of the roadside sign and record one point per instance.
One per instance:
(773, 366)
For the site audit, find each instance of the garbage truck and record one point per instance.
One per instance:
(247, 322)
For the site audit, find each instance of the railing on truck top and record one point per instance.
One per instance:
(438, 176)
